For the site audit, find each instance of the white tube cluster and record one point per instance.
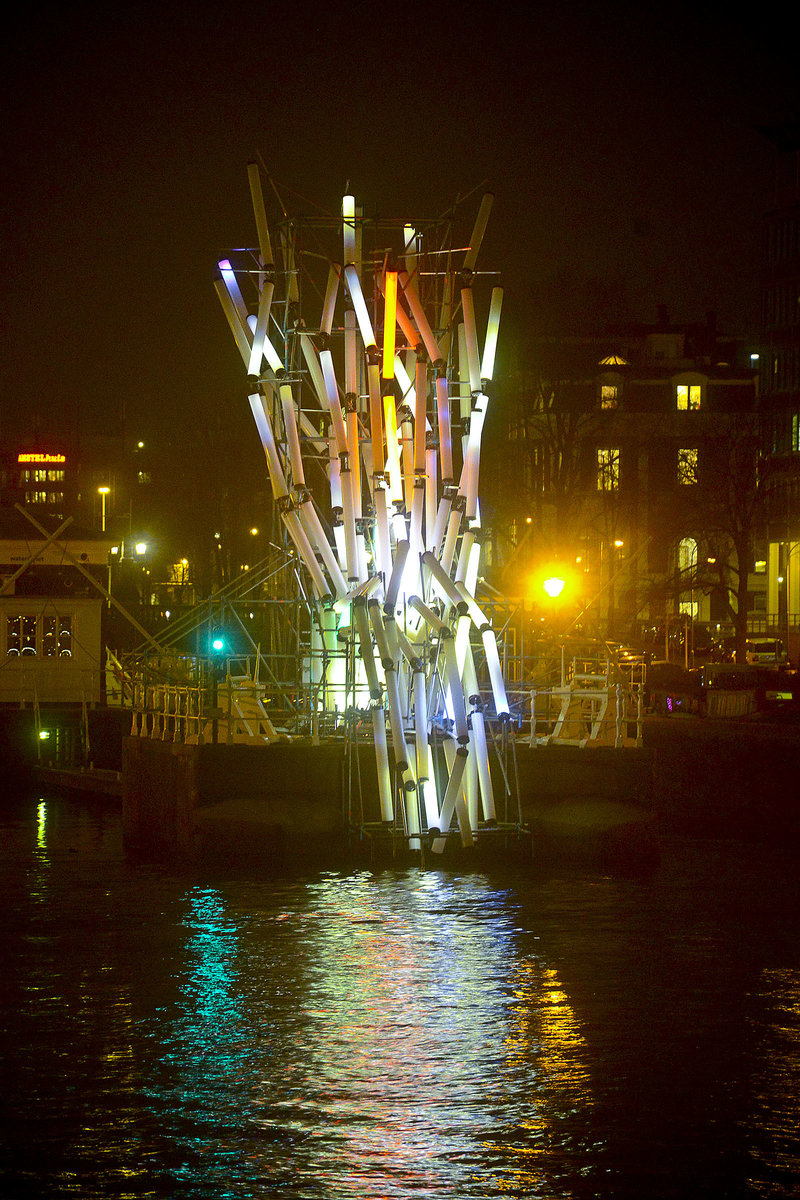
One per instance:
(378, 489)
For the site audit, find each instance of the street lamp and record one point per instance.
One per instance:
(103, 493)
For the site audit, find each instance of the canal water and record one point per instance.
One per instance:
(526, 1032)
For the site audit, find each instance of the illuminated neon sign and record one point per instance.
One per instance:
(41, 458)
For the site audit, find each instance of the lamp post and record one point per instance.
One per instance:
(103, 493)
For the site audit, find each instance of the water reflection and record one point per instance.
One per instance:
(393, 1035)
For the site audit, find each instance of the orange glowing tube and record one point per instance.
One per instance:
(389, 323)
(443, 417)
(420, 318)
(329, 304)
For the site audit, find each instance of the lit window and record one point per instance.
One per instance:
(36, 497)
(688, 396)
(20, 635)
(796, 432)
(609, 395)
(760, 566)
(687, 465)
(607, 468)
(687, 554)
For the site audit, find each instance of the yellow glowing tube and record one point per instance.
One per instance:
(464, 391)
(443, 418)
(420, 319)
(375, 418)
(359, 306)
(492, 330)
(389, 323)
(382, 759)
(392, 449)
(292, 436)
(262, 228)
(349, 228)
(264, 426)
(478, 231)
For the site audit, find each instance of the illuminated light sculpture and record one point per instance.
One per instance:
(385, 386)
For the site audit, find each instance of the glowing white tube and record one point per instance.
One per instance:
(470, 794)
(393, 586)
(382, 760)
(234, 291)
(464, 390)
(319, 542)
(406, 435)
(314, 369)
(361, 622)
(401, 756)
(430, 795)
(349, 228)
(420, 725)
(359, 305)
(267, 351)
(383, 554)
(479, 742)
(473, 567)
(477, 615)
(420, 415)
(478, 231)
(449, 549)
(467, 542)
(451, 795)
(259, 334)
(431, 492)
(456, 690)
(241, 333)
(348, 517)
(445, 583)
(262, 228)
(440, 524)
(350, 353)
(443, 418)
(492, 330)
(420, 319)
(351, 420)
(389, 323)
(287, 236)
(381, 640)
(334, 474)
(471, 333)
(303, 546)
(333, 403)
(292, 436)
(417, 505)
(264, 426)
(329, 304)
(495, 673)
(434, 623)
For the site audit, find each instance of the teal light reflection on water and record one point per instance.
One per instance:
(370, 1036)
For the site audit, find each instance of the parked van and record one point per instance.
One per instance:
(766, 652)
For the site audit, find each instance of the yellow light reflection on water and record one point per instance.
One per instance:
(41, 825)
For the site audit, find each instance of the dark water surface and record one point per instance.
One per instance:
(397, 1034)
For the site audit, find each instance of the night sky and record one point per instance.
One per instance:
(622, 148)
